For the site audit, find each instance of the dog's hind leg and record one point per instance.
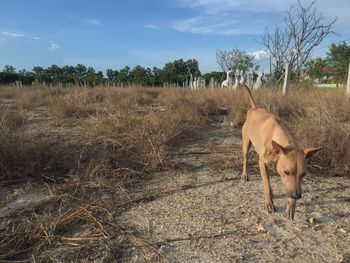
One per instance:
(245, 147)
(267, 188)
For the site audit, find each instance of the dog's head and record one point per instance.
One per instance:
(291, 165)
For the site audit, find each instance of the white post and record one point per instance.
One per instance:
(211, 83)
(236, 85)
(286, 80)
(258, 83)
(242, 80)
(348, 83)
(250, 78)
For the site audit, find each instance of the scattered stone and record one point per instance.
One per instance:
(321, 218)
(325, 219)
(312, 220)
(261, 229)
(342, 231)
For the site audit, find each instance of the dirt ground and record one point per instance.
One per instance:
(203, 213)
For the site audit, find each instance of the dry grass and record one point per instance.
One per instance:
(73, 218)
(26, 99)
(318, 118)
(7, 92)
(11, 121)
(126, 134)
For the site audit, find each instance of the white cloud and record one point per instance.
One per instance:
(53, 46)
(151, 26)
(84, 20)
(18, 35)
(219, 25)
(219, 6)
(259, 54)
(223, 17)
(223, 6)
(12, 34)
(210, 16)
(94, 22)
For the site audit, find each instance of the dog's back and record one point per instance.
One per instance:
(261, 127)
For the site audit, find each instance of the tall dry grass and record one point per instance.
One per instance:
(318, 118)
(133, 127)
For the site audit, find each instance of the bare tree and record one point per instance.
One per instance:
(234, 59)
(276, 43)
(304, 29)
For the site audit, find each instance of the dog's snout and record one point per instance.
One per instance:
(295, 195)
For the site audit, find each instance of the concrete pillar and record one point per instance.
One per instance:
(286, 80)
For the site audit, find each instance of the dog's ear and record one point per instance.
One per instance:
(277, 148)
(309, 152)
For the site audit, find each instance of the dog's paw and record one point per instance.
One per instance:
(290, 210)
(289, 213)
(244, 178)
(270, 207)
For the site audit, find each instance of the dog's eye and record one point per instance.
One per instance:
(286, 172)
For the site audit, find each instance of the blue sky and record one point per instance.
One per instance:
(111, 34)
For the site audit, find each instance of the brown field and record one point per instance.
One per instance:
(152, 175)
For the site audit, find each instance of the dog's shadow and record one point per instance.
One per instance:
(280, 208)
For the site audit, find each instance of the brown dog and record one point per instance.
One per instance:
(274, 142)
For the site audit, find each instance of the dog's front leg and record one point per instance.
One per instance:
(267, 188)
(290, 210)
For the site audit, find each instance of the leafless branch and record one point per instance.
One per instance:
(234, 59)
(304, 29)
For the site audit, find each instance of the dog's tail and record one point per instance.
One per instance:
(251, 99)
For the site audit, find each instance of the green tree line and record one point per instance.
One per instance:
(336, 62)
(176, 72)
